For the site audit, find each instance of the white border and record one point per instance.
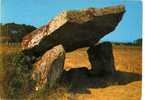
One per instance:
(143, 55)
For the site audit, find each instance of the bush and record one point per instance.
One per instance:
(17, 78)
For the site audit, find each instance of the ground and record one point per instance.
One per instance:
(125, 84)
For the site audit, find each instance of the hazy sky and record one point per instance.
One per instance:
(39, 12)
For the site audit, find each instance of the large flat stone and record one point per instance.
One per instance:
(73, 29)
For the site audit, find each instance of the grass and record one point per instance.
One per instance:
(128, 58)
(125, 84)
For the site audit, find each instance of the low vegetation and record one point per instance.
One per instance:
(17, 78)
(137, 42)
(12, 32)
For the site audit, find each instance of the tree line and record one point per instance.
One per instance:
(137, 42)
(12, 32)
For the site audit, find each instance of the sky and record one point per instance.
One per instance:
(40, 12)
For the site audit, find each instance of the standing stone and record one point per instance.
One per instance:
(49, 67)
(101, 58)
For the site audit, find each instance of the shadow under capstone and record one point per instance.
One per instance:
(80, 80)
(102, 74)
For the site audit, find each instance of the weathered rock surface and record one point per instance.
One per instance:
(73, 29)
(49, 67)
(101, 59)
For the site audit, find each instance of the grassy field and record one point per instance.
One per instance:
(125, 84)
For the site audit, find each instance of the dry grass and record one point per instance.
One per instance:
(127, 58)
(77, 58)
(124, 85)
(5, 49)
(128, 61)
(130, 91)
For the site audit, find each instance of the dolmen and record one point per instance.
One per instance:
(66, 32)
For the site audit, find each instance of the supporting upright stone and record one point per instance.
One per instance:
(49, 67)
(101, 58)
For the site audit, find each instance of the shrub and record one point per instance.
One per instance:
(17, 80)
